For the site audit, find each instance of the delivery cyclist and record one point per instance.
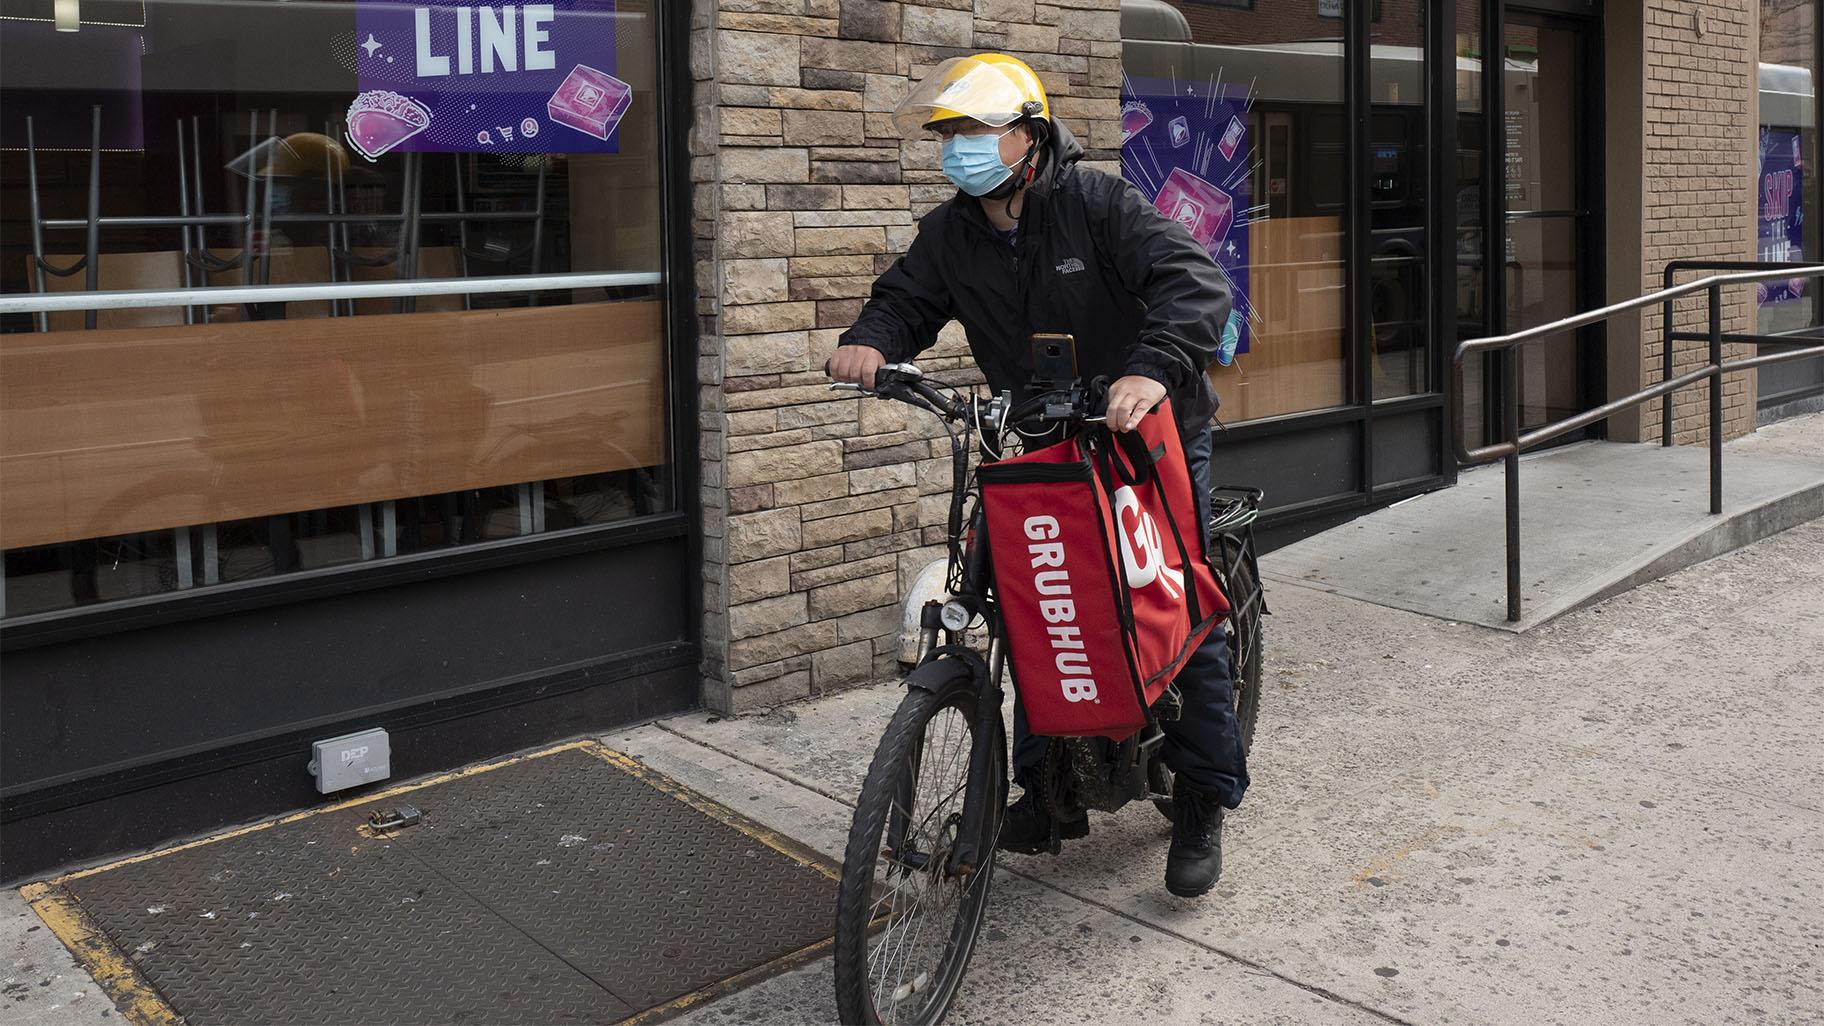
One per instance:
(1034, 243)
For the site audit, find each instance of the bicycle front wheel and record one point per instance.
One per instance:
(905, 926)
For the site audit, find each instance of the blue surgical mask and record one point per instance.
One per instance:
(974, 163)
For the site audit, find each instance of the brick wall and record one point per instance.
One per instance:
(819, 509)
(1697, 194)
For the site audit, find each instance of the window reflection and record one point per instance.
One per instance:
(1397, 162)
(1245, 109)
(153, 450)
(1788, 199)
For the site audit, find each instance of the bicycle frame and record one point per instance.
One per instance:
(970, 572)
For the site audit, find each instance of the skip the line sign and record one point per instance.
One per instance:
(443, 77)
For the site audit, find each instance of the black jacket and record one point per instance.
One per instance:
(1093, 259)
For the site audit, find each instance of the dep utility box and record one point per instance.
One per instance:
(351, 760)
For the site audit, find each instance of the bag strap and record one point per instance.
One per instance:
(1139, 468)
(1192, 606)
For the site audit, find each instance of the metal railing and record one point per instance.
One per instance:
(1515, 441)
(139, 299)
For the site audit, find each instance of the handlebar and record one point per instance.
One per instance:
(906, 383)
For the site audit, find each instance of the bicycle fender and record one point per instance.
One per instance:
(947, 666)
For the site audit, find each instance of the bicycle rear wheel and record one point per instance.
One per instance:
(905, 927)
(1243, 591)
(1244, 640)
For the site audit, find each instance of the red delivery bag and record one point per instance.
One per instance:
(1101, 575)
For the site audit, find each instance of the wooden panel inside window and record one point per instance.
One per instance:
(140, 429)
(157, 270)
(1294, 361)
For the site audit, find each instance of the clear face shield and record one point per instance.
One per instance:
(959, 88)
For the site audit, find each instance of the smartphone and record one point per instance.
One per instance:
(1054, 359)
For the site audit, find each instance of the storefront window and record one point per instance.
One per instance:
(154, 450)
(1399, 349)
(1471, 288)
(1786, 188)
(1232, 121)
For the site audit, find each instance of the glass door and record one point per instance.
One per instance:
(1547, 188)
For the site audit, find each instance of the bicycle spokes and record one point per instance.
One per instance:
(916, 896)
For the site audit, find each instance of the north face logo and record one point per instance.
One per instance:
(1070, 266)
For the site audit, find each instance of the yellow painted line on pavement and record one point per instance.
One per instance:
(113, 973)
(773, 839)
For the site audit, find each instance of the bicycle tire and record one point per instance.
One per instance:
(892, 773)
(1244, 667)
(1245, 643)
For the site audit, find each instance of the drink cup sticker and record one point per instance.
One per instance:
(590, 101)
(1231, 339)
(1231, 139)
(1204, 210)
(1181, 131)
(381, 119)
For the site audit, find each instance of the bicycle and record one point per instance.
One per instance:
(921, 847)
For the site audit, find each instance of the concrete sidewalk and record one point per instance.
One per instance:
(1612, 819)
(1596, 519)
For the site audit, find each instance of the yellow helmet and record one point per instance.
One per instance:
(992, 88)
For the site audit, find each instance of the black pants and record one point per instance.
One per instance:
(1202, 747)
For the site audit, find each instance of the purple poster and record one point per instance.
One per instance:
(1186, 146)
(1781, 214)
(527, 78)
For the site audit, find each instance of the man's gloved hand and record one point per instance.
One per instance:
(1129, 399)
(857, 364)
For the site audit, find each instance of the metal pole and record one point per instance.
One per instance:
(31, 172)
(1510, 405)
(247, 213)
(92, 247)
(538, 227)
(329, 205)
(183, 207)
(196, 182)
(272, 134)
(1665, 364)
(139, 299)
(1716, 399)
(404, 242)
(462, 230)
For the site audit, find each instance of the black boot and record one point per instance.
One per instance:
(1027, 827)
(1194, 864)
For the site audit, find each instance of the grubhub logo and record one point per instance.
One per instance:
(1142, 552)
(1051, 579)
